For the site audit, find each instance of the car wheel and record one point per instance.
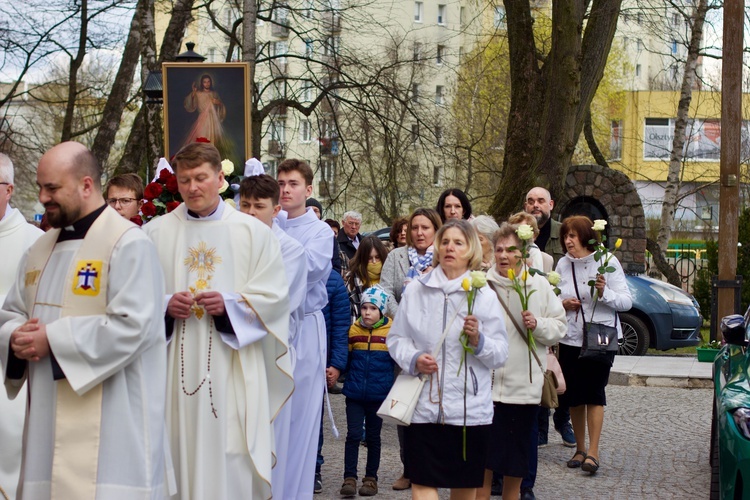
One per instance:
(635, 336)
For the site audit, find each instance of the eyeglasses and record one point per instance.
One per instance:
(5, 183)
(124, 202)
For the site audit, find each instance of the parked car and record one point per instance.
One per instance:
(730, 424)
(663, 316)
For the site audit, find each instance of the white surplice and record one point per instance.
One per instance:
(296, 274)
(224, 389)
(16, 236)
(123, 350)
(310, 345)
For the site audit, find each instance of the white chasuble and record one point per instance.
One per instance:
(117, 357)
(225, 389)
(16, 236)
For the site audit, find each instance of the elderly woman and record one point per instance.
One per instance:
(517, 386)
(586, 379)
(486, 227)
(406, 263)
(438, 452)
(453, 204)
(538, 259)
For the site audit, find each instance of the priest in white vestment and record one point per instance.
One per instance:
(229, 369)
(16, 235)
(84, 322)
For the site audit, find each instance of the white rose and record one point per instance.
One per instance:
(478, 279)
(227, 167)
(599, 224)
(525, 232)
(553, 278)
(224, 186)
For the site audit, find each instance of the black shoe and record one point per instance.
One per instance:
(318, 488)
(335, 389)
(527, 494)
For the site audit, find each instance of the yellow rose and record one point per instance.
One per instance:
(466, 284)
(227, 167)
(525, 232)
(599, 224)
(511, 274)
(618, 243)
(524, 276)
(224, 186)
(478, 279)
(553, 278)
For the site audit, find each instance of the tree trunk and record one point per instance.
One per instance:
(672, 188)
(548, 104)
(75, 65)
(588, 133)
(118, 96)
(249, 19)
(660, 261)
(143, 133)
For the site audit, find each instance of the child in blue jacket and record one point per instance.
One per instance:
(368, 380)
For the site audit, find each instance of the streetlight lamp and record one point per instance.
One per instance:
(153, 88)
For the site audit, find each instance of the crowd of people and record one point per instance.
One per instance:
(194, 358)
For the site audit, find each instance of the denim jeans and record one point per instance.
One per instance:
(356, 412)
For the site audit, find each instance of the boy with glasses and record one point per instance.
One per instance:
(124, 193)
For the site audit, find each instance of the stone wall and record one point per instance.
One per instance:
(617, 196)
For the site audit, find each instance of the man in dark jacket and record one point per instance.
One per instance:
(349, 236)
(338, 320)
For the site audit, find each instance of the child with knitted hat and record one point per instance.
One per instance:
(368, 380)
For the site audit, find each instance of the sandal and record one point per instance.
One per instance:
(590, 467)
(573, 463)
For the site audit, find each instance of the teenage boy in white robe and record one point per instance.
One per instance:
(228, 372)
(259, 197)
(84, 324)
(16, 236)
(295, 180)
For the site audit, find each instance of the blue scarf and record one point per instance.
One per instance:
(418, 264)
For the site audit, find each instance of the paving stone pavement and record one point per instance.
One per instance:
(655, 444)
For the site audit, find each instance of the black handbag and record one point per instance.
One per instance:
(599, 341)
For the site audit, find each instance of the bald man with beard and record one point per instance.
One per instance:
(83, 322)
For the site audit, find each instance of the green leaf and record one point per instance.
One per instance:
(592, 241)
(591, 283)
(610, 269)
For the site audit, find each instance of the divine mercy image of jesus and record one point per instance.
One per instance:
(205, 101)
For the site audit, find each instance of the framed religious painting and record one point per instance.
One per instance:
(205, 101)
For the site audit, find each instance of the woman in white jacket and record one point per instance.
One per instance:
(586, 380)
(434, 442)
(517, 386)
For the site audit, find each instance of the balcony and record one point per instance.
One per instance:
(276, 148)
(329, 106)
(279, 111)
(278, 67)
(280, 30)
(328, 147)
(327, 189)
(331, 22)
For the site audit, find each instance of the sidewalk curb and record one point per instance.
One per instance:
(620, 378)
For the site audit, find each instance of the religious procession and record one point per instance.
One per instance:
(187, 349)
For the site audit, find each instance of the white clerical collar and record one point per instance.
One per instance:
(215, 215)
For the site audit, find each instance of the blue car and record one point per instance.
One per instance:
(662, 317)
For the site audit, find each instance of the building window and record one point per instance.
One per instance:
(439, 99)
(441, 14)
(440, 56)
(327, 168)
(499, 21)
(278, 131)
(637, 70)
(674, 46)
(211, 25)
(675, 19)
(309, 9)
(417, 51)
(418, 11)
(332, 45)
(615, 140)
(625, 41)
(211, 56)
(271, 168)
(307, 91)
(414, 92)
(435, 175)
(279, 50)
(639, 45)
(305, 131)
(461, 16)
(308, 48)
(281, 15)
(460, 55)
(639, 18)
(414, 133)
(439, 135)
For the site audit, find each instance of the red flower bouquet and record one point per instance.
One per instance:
(161, 196)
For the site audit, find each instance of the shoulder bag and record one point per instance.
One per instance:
(401, 401)
(551, 385)
(599, 341)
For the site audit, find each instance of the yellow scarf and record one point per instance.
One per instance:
(373, 272)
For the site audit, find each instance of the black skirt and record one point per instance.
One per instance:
(434, 455)
(585, 380)
(512, 435)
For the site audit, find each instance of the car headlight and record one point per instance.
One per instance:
(671, 293)
(742, 419)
